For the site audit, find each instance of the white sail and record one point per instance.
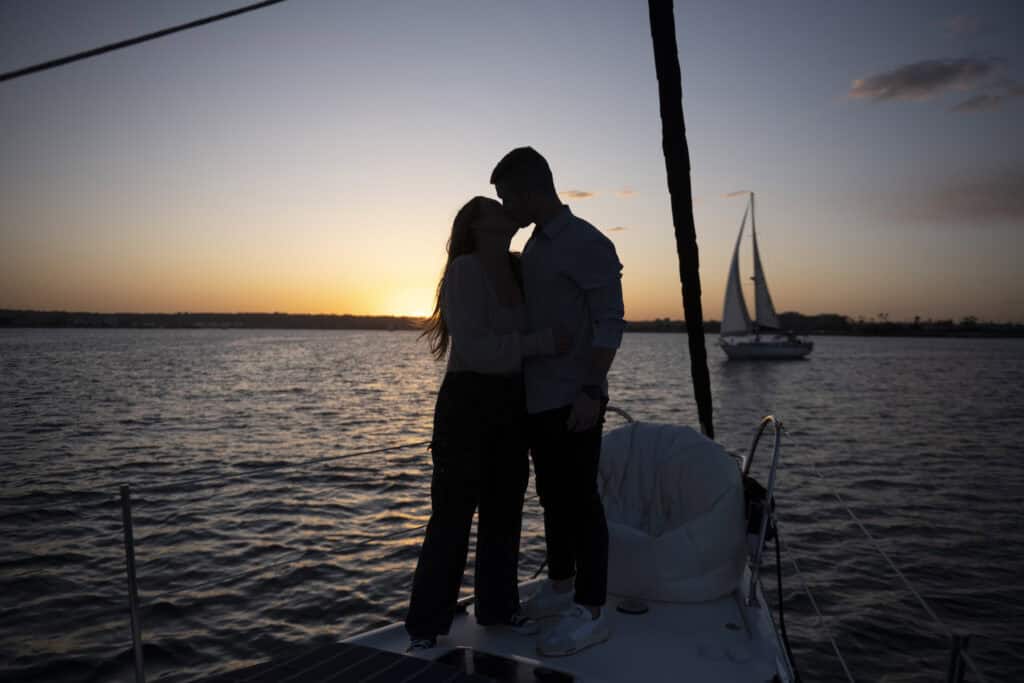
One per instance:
(735, 319)
(765, 311)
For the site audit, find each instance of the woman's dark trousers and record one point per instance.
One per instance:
(480, 461)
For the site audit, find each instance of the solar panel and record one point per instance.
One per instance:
(348, 663)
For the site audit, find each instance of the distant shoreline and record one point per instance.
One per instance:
(824, 324)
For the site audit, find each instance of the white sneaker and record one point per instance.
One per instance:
(546, 602)
(522, 624)
(420, 646)
(576, 630)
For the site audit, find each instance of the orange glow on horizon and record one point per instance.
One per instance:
(412, 302)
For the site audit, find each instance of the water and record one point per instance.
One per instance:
(920, 436)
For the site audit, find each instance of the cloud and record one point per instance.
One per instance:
(626, 192)
(617, 228)
(991, 100)
(980, 103)
(995, 197)
(1014, 89)
(576, 194)
(964, 25)
(924, 80)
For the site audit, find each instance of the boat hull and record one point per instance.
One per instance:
(765, 349)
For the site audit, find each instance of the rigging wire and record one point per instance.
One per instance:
(782, 602)
(78, 56)
(160, 561)
(874, 542)
(290, 559)
(906, 582)
(975, 669)
(814, 604)
(281, 466)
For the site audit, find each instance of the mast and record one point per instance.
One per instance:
(677, 167)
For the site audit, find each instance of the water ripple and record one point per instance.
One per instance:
(918, 436)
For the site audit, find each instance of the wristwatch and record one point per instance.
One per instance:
(593, 391)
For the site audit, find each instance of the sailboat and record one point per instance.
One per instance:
(686, 535)
(760, 338)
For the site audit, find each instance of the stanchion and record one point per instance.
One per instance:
(133, 590)
(955, 672)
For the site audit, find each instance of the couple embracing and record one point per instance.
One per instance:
(529, 342)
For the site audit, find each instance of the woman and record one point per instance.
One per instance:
(479, 446)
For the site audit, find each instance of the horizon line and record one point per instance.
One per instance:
(853, 319)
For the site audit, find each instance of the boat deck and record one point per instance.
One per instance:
(721, 640)
(710, 641)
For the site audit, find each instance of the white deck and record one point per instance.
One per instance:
(720, 641)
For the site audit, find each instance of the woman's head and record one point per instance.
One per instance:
(479, 218)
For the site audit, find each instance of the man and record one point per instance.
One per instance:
(572, 280)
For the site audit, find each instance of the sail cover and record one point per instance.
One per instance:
(735, 319)
(674, 503)
(765, 315)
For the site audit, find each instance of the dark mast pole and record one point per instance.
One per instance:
(677, 167)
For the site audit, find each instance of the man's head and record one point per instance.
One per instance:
(524, 183)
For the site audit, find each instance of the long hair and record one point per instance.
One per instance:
(462, 241)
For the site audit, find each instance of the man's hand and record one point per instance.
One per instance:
(563, 340)
(584, 413)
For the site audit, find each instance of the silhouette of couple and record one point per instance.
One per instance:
(529, 341)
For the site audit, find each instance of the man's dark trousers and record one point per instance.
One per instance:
(565, 464)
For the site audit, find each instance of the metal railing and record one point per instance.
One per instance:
(767, 518)
(291, 558)
(960, 660)
(133, 587)
(285, 560)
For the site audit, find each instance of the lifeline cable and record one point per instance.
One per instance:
(78, 56)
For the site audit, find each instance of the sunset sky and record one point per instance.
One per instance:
(310, 157)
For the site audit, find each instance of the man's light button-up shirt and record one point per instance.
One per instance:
(573, 282)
